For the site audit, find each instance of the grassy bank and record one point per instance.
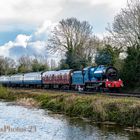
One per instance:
(125, 111)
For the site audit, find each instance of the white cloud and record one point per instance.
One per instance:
(38, 47)
(118, 3)
(111, 3)
(27, 14)
(4, 50)
(22, 40)
(46, 27)
(33, 44)
(102, 35)
(31, 12)
(35, 12)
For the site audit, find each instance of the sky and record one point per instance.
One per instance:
(26, 24)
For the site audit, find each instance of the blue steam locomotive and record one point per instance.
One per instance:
(96, 78)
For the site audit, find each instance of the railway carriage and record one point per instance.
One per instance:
(16, 80)
(32, 79)
(57, 79)
(48, 79)
(2, 79)
(5, 80)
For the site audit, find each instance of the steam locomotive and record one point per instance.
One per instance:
(89, 78)
(97, 78)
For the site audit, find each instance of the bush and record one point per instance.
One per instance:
(131, 68)
(5, 93)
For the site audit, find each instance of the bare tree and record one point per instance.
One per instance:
(53, 64)
(125, 33)
(74, 37)
(25, 64)
(29, 64)
(126, 27)
(7, 65)
(70, 33)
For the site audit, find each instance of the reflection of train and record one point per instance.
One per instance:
(93, 78)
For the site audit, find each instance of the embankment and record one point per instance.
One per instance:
(100, 108)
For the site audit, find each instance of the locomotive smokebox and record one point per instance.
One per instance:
(111, 73)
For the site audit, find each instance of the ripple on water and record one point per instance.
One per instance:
(51, 127)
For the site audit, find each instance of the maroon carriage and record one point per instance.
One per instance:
(57, 79)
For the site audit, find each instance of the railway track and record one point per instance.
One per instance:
(137, 95)
(122, 94)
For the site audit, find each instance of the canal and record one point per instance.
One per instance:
(20, 123)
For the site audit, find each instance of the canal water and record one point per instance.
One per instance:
(20, 123)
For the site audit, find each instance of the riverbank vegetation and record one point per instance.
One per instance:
(98, 108)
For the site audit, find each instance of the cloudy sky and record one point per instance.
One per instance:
(25, 24)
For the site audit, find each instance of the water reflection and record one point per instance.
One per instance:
(51, 126)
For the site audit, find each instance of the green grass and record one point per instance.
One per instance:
(6, 94)
(124, 111)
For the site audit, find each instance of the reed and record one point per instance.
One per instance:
(121, 110)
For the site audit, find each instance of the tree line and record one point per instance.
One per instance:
(24, 64)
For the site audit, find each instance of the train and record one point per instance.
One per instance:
(95, 78)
